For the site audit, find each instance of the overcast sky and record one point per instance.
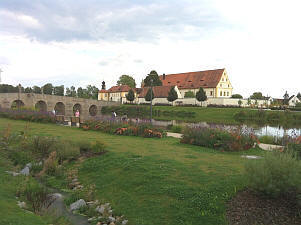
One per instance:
(87, 41)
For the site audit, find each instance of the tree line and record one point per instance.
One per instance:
(90, 92)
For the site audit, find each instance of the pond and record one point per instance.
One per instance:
(259, 130)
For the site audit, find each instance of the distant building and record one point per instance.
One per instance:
(115, 93)
(215, 83)
(293, 100)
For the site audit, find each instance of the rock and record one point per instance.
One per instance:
(124, 222)
(112, 223)
(99, 223)
(112, 219)
(25, 171)
(251, 157)
(100, 209)
(29, 165)
(22, 205)
(110, 211)
(91, 219)
(77, 205)
(13, 173)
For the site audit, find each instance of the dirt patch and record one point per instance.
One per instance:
(249, 208)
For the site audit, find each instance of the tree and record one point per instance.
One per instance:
(92, 92)
(172, 95)
(80, 92)
(6, 88)
(201, 95)
(48, 89)
(299, 95)
(236, 96)
(126, 80)
(249, 101)
(239, 102)
(28, 90)
(189, 94)
(149, 95)
(153, 75)
(257, 95)
(59, 90)
(36, 90)
(130, 96)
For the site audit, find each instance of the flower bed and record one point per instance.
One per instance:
(27, 115)
(127, 129)
(218, 139)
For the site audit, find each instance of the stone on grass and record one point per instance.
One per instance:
(124, 222)
(22, 205)
(77, 205)
(25, 171)
(100, 209)
(29, 165)
(112, 219)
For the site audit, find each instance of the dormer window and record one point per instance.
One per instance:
(178, 82)
(189, 81)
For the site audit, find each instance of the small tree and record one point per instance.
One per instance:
(239, 102)
(189, 94)
(126, 80)
(236, 96)
(153, 75)
(172, 95)
(201, 95)
(299, 95)
(130, 96)
(59, 90)
(48, 89)
(149, 95)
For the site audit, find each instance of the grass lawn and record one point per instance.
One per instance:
(154, 181)
(202, 114)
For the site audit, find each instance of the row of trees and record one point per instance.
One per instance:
(88, 92)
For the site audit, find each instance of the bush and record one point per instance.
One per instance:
(267, 139)
(37, 195)
(218, 139)
(98, 147)
(19, 157)
(50, 165)
(41, 145)
(65, 150)
(27, 115)
(277, 174)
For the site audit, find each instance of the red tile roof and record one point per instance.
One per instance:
(194, 80)
(159, 91)
(115, 89)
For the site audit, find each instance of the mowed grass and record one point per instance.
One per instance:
(156, 181)
(202, 114)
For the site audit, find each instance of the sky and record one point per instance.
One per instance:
(67, 42)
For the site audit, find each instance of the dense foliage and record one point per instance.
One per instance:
(236, 96)
(123, 128)
(152, 79)
(126, 80)
(278, 174)
(218, 139)
(189, 94)
(130, 95)
(172, 95)
(201, 95)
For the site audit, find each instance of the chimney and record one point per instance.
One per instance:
(164, 76)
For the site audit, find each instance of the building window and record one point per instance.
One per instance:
(221, 94)
(228, 85)
(224, 93)
(227, 93)
(211, 93)
(220, 85)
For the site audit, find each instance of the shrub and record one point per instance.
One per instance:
(218, 139)
(277, 174)
(176, 128)
(98, 147)
(267, 139)
(84, 146)
(50, 165)
(41, 145)
(19, 157)
(295, 148)
(37, 195)
(65, 150)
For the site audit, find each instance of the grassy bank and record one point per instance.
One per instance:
(188, 114)
(152, 181)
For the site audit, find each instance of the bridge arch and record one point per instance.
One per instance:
(78, 107)
(41, 106)
(17, 104)
(93, 110)
(59, 108)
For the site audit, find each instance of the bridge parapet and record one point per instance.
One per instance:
(63, 105)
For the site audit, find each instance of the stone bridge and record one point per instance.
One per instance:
(62, 105)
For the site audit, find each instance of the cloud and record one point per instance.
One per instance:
(108, 20)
